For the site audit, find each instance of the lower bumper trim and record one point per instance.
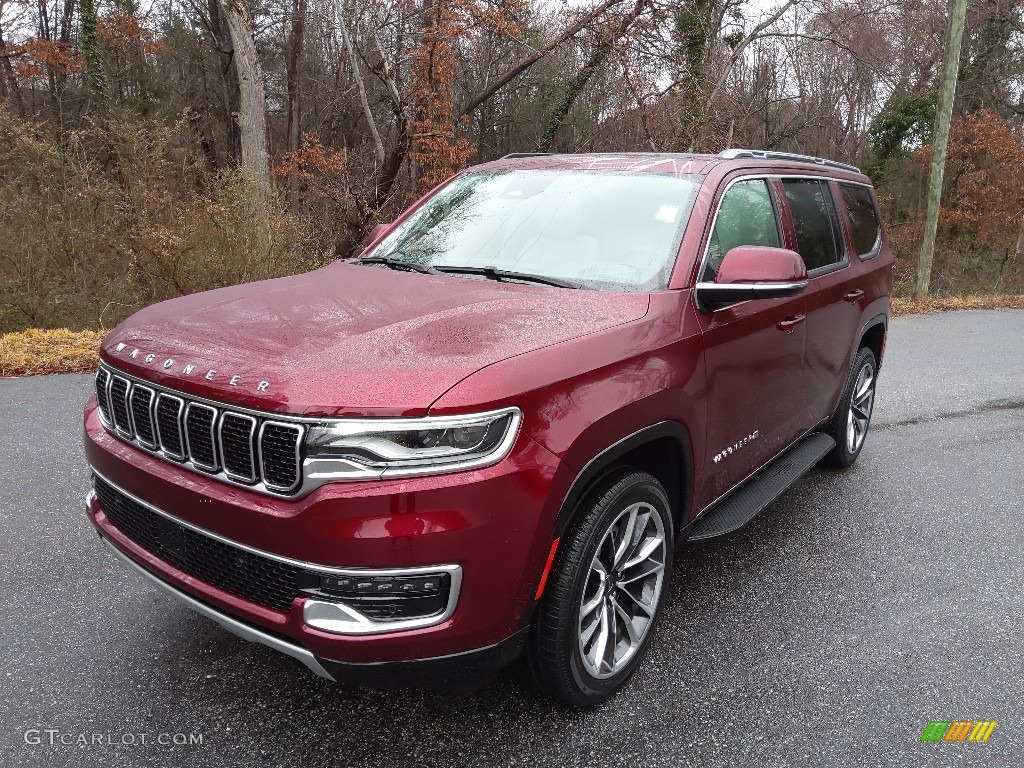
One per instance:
(463, 672)
(245, 631)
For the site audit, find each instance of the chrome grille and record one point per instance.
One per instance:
(235, 447)
(279, 454)
(119, 405)
(102, 394)
(237, 433)
(200, 421)
(168, 424)
(141, 402)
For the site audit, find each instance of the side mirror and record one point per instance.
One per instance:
(379, 230)
(753, 272)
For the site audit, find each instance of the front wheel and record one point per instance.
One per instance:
(601, 605)
(849, 424)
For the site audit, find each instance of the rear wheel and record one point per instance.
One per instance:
(601, 605)
(849, 424)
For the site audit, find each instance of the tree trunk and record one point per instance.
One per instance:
(940, 140)
(252, 107)
(95, 78)
(525, 63)
(9, 88)
(579, 82)
(294, 60)
(229, 82)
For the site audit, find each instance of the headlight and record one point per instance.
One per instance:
(365, 449)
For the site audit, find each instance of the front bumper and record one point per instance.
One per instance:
(489, 524)
(465, 671)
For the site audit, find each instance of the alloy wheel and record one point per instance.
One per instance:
(621, 593)
(861, 403)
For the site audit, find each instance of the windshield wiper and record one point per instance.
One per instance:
(387, 261)
(503, 274)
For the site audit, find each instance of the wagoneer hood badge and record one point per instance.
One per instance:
(172, 366)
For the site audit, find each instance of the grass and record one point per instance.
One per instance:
(35, 351)
(905, 306)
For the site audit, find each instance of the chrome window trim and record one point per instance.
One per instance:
(152, 417)
(762, 176)
(876, 247)
(252, 453)
(768, 176)
(301, 430)
(161, 448)
(832, 266)
(363, 625)
(208, 469)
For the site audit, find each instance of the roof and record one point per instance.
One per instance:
(669, 163)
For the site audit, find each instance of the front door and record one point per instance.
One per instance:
(754, 351)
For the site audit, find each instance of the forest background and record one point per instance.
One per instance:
(156, 148)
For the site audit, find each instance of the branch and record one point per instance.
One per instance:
(742, 46)
(525, 63)
(358, 77)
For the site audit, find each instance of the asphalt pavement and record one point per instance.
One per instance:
(859, 607)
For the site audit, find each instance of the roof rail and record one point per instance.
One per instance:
(764, 154)
(525, 154)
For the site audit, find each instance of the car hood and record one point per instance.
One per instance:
(350, 340)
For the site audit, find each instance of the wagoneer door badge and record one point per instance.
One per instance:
(187, 369)
(736, 446)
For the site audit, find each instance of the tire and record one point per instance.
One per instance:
(580, 604)
(850, 423)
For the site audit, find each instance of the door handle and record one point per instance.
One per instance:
(852, 296)
(790, 322)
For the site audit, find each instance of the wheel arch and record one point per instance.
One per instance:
(873, 336)
(663, 449)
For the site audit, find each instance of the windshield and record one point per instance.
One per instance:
(609, 231)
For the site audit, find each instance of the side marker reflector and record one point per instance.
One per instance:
(547, 569)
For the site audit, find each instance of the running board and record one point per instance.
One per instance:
(752, 498)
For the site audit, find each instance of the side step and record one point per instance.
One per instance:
(752, 498)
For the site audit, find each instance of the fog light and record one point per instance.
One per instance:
(378, 602)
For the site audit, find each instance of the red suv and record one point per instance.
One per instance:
(486, 436)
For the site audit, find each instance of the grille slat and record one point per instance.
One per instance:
(168, 424)
(119, 388)
(199, 435)
(141, 402)
(235, 447)
(102, 399)
(279, 444)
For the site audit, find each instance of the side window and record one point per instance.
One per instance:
(861, 218)
(818, 236)
(746, 216)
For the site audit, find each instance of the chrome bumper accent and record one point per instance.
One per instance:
(244, 631)
(332, 617)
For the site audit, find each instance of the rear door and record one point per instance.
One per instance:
(834, 290)
(755, 397)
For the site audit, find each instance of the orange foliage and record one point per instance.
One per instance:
(437, 150)
(36, 57)
(985, 173)
(321, 171)
(123, 31)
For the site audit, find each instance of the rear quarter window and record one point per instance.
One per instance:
(861, 218)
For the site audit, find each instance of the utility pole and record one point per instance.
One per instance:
(940, 140)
